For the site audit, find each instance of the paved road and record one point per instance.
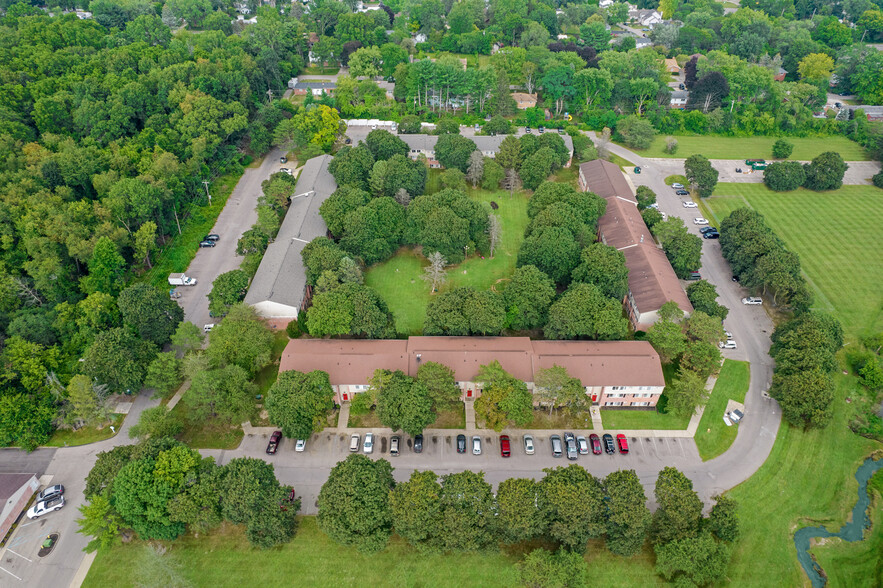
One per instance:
(858, 172)
(237, 217)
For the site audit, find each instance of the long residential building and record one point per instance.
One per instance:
(279, 288)
(652, 280)
(614, 373)
(487, 144)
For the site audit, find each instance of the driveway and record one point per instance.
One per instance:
(238, 216)
(858, 173)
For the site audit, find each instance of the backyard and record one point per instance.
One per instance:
(837, 237)
(712, 147)
(714, 437)
(399, 279)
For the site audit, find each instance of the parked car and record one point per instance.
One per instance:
(542, 130)
(207, 243)
(394, 445)
(208, 328)
(212, 237)
(681, 86)
(556, 445)
(570, 443)
(273, 445)
(527, 130)
(677, 186)
(283, 159)
(752, 300)
(41, 508)
(528, 445)
(368, 445)
(348, 141)
(461, 443)
(418, 444)
(689, 203)
(711, 235)
(50, 493)
(354, 442)
(300, 445)
(736, 415)
(683, 193)
(596, 443)
(608, 444)
(582, 445)
(704, 230)
(694, 276)
(699, 220)
(287, 170)
(623, 443)
(476, 445)
(728, 335)
(561, 131)
(728, 344)
(505, 449)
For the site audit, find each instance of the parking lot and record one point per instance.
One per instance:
(308, 470)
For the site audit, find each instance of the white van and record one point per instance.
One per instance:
(394, 446)
(354, 442)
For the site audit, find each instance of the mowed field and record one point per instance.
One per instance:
(836, 234)
(805, 148)
(399, 279)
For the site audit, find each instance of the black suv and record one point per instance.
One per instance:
(608, 444)
(461, 443)
(418, 444)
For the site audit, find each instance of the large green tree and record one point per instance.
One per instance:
(403, 403)
(503, 398)
(466, 505)
(571, 504)
(527, 297)
(298, 402)
(517, 515)
(416, 510)
(584, 312)
(679, 509)
(628, 518)
(604, 267)
(700, 174)
(228, 289)
(119, 359)
(241, 339)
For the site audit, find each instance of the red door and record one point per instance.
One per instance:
(345, 397)
(468, 393)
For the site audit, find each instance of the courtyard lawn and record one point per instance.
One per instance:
(714, 437)
(560, 419)
(630, 420)
(224, 558)
(452, 418)
(85, 435)
(713, 147)
(837, 237)
(808, 479)
(399, 282)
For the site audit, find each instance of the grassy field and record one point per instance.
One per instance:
(454, 418)
(712, 147)
(224, 558)
(836, 235)
(560, 420)
(177, 254)
(713, 437)
(808, 479)
(398, 280)
(855, 564)
(641, 419)
(85, 435)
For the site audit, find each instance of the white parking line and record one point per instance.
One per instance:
(11, 574)
(20, 555)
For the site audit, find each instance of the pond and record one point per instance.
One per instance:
(851, 531)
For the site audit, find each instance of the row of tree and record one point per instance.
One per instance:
(825, 172)
(160, 488)
(759, 259)
(361, 505)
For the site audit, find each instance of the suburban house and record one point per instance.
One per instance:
(614, 373)
(279, 288)
(641, 42)
(488, 145)
(679, 99)
(646, 17)
(15, 492)
(671, 66)
(605, 3)
(652, 281)
(780, 75)
(524, 100)
(314, 87)
(872, 113)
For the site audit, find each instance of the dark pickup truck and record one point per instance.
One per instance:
(273, 445)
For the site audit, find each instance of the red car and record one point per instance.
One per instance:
(505, 450)
(623, 443)
(596, 444)
(273, 445)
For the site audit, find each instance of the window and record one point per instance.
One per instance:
(640, 404)
(613, 404)
(617, 387)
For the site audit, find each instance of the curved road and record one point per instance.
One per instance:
(307, 471)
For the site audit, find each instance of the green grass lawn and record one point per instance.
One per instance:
(713, 437)
(808, 479)
(837, 237)
(85, 435)
(642, 419)
(560, 420)
(453, 418)
(713, 147)
(177, 254)
(398, 280)
(621, 162)
(855, 564)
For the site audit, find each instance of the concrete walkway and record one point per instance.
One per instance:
(470, 415)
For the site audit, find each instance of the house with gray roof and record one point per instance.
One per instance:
(279, 288)
(314, 87)
(487, 144)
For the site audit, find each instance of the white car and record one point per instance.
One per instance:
(286, 170)
(728, 335)
(368, 445)
(476, 445)
(528, 445)
(752, 300)
(729, 344)
(300, 445)
(208, 327)
(690, 204)
(700, 221)
(677, 186)
(41, 508)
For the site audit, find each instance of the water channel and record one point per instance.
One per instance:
(851, 531)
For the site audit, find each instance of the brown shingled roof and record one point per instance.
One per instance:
(346, 361)
(602, 363)
(465, 355)
(606, 179)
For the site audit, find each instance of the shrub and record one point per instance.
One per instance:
(825, 172)
(878, 179)
(782, 149)
(784, 176)
(671, 145)
(636, 132)
(293, 329)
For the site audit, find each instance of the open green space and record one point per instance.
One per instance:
(855, 564)
(808, 479)
(175, 256)
(714, 147)
(642, 419)
(837, 236)
(207, 433)
(714, 437)
(319, 70)
(85, 435)
(224, 558)
(560, 419)
(452, 418)
(399, 279)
